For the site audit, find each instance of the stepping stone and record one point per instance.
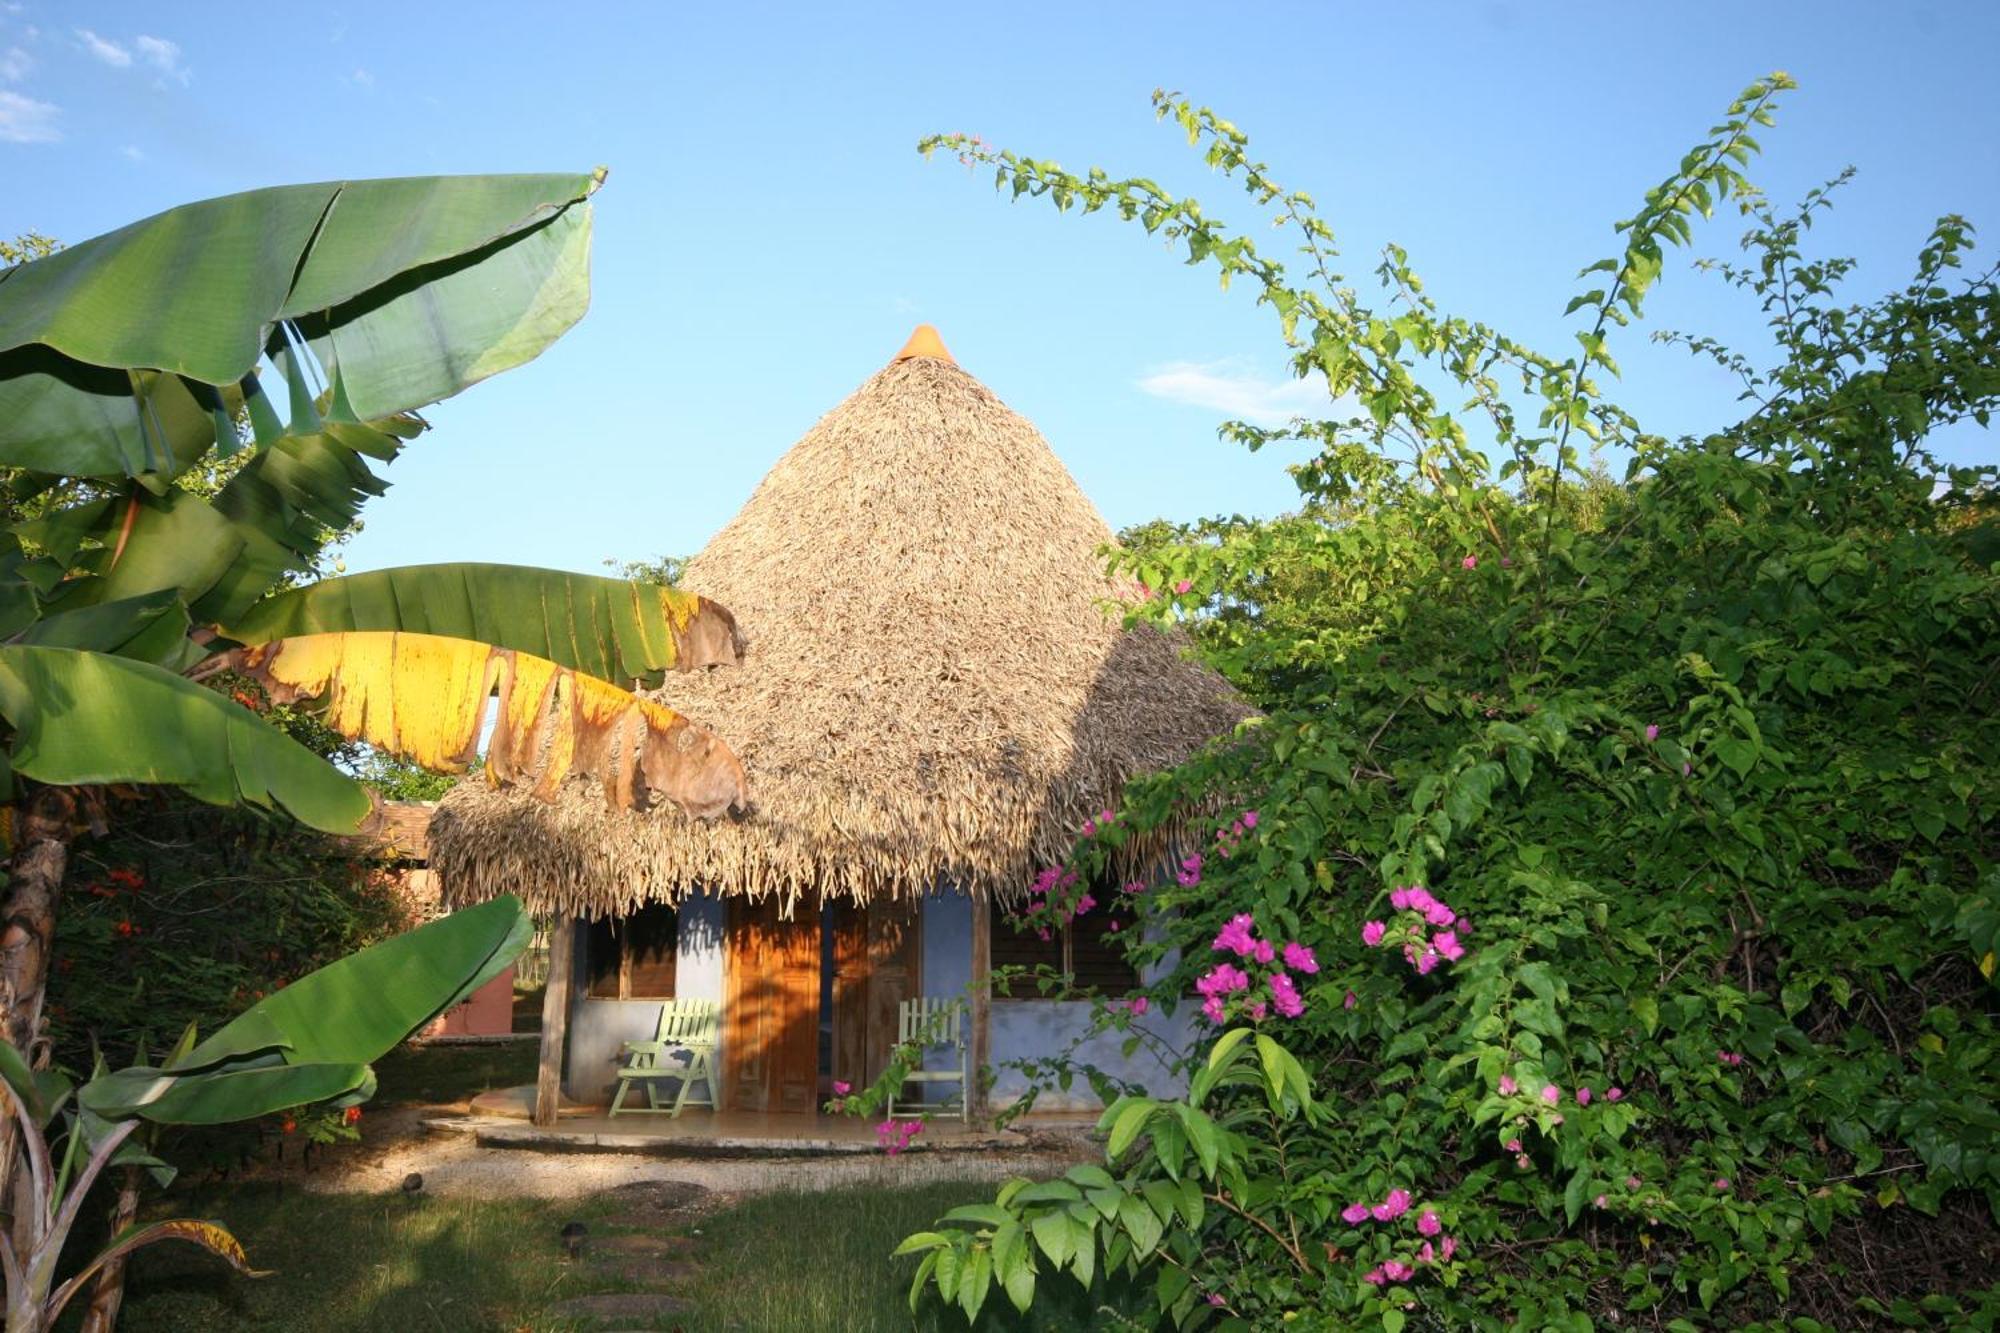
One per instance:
(642, 1270)
(647, 1222)
(641, 1247)
(620, 1305)
(659, 1196)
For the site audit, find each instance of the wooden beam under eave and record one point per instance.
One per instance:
(982, 1001)
(555, 1021)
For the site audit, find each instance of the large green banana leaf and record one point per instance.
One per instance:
(148, 628)
(407, 291)
(314, 1039)
(81, 717)
(609, 628)
(224, 1097)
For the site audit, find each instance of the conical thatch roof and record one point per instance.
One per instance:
(932, 693)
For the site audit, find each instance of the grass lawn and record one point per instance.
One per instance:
(815, 1263)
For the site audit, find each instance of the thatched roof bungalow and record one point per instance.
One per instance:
(933, 698)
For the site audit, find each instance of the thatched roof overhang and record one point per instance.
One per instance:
(936, 690)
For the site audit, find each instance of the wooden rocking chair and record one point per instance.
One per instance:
(929, 1021)
(685, 1026)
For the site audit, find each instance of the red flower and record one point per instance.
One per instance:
(351, 1115)
(289, 1125)
(128, 877)
(127, 929)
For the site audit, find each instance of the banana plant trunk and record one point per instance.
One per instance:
(107, 1294)
(35, 877)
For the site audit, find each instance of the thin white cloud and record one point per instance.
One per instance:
(1233, 387)
(163, 55)
(361, 78)
(111, 53)
(24, 120)
(15, 64)
(133, 152)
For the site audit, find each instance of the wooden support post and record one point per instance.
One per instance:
(982, 1001)
(555, 1021)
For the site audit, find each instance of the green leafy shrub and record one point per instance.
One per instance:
(1697, 772)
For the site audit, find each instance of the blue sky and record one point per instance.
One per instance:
(769, 235)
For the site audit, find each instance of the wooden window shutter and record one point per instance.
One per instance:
(634, 957)
(1097, 954)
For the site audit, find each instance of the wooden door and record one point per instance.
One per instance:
(771, 1009)
(878, 963)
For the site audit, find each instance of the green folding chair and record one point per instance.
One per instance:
(929, 1022)
(686, 1026)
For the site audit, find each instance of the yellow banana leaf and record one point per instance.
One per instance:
(423, 696)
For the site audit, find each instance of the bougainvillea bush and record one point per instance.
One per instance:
(1640, 833)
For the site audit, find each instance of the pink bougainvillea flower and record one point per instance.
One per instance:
(1583, 1096)
(1258, 1009)
(1427, 962)
(1446, 943)
(1372, 933)
(1521, 1160)
(1235, 937)
(1263, 952)
(1089, 827)
(1599, 1201)
(1044, 934)
(1449, 1248)
(1138, 1004)
(1687, 769)
(1415, 898)
(1354, 1214)
(841, 1089)
(1398, 1272)
(1439, 915)
(1614, 1094)
(1552, 1094)
(1249, 819)
(1213, 1008)
(1136, 886)
(1508, 1087)
(1215, 1299)
(1512, 1145)
(1632, 1182)
(1084, 904)
(1652, 732)
(1427, 1255)
(1351, 1000)
(1182, 585)
(1428, 1224)
(1722, 1182)
(1285, 995)
(1299, 958)
(1376, 1275)
(1470, 562)
(1393, 1206)
(1730, 1058)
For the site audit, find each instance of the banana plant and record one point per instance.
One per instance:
(312, 1042)
(290, 336)
(296, 332)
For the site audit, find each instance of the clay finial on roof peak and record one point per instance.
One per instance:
(924, 342)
